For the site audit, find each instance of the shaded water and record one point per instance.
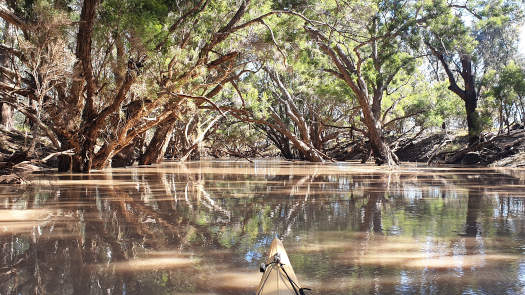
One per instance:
(204, 227)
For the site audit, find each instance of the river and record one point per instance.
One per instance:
(204, 227)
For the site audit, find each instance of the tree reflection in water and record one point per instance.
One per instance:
(202, 228)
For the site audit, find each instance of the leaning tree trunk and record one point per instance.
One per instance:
(128, 155)
(382, 153)
(132, 152)
(201, 136)
(281, 142)
(157, 147)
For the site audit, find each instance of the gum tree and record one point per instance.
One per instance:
(369, 54)
(468, 38)
(135, 64)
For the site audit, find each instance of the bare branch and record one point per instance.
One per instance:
(470, 10)
(182, 95)
(403, 117)
(273, 39)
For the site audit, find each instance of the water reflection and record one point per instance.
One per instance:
(203, 228)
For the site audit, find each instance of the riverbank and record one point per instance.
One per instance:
(15, 163)
(503, 150)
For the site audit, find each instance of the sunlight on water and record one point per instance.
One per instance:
(24, 215)
(151, 264)
(235, 279)
(204, 227)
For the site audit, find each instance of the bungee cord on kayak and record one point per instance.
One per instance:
(284, 282)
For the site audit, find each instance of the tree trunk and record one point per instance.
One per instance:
(382, 153)
(473, 119)
(507, 119)
(306, 150)
(133, 151)
(6, 116)
(280, 141)
(64, 163)
(87, 153)
(126, 156)
(522, 110)
(6, 111)
(471, 101)
(157, 147)
(352, 76)
(469, 95)
(500, 118)
(316, 132)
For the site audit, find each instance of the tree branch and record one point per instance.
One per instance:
(273, 39)
(14, 20)
(452, 80)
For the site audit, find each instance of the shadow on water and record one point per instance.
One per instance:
(203, 228)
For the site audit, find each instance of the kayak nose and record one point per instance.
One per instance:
(279, 277)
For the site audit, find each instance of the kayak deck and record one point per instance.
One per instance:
(279, 277)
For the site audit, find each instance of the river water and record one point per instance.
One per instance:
(204, 228)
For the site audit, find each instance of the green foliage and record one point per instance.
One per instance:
(145, 19)
(290, 4)
(383, 39)
(510, 84)
(431, 104)
(23, 8)
(505, 94)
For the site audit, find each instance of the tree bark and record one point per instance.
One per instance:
(473, 120)
(157, 147)
(6, 111)
(471, 101)
(128, 155)
(280, 141)
(6, 116)
(64, 163)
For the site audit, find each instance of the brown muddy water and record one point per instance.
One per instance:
(204, 227)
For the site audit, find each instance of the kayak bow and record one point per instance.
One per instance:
(279, 277)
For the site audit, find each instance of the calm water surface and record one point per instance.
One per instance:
(204, 227)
